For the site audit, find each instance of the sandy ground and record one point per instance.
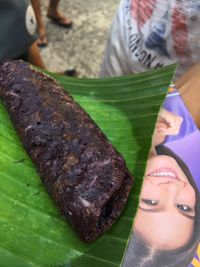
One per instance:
(81, 47)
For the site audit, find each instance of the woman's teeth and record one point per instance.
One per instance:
(163, 174)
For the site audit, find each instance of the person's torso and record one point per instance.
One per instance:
(154, 33)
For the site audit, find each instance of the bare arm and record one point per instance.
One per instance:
(189, 88)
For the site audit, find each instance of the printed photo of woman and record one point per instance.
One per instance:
(166, 229)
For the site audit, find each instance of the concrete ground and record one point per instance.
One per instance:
(82, 46)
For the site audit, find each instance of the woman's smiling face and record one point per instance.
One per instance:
(165, 217)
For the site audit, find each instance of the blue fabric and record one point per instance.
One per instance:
(15, 38)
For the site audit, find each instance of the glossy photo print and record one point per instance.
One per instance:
(167, 224)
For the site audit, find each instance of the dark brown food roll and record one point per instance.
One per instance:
(82, 171)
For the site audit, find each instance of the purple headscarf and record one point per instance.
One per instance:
(186, 144)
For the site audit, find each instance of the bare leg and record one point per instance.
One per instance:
(57, 16)
(41, 27)
(34, 56)
(35, 59)
(53, 5)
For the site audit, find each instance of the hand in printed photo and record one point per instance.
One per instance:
(167, 124)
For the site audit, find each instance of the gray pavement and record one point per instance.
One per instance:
(81, 47)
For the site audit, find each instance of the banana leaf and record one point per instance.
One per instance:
(32, 232)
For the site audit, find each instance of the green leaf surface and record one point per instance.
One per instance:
(32, 232)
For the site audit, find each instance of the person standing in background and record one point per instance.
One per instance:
(18, 39)
(152, 34)
(53, 14)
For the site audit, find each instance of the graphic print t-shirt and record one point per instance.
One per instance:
(152, 34)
